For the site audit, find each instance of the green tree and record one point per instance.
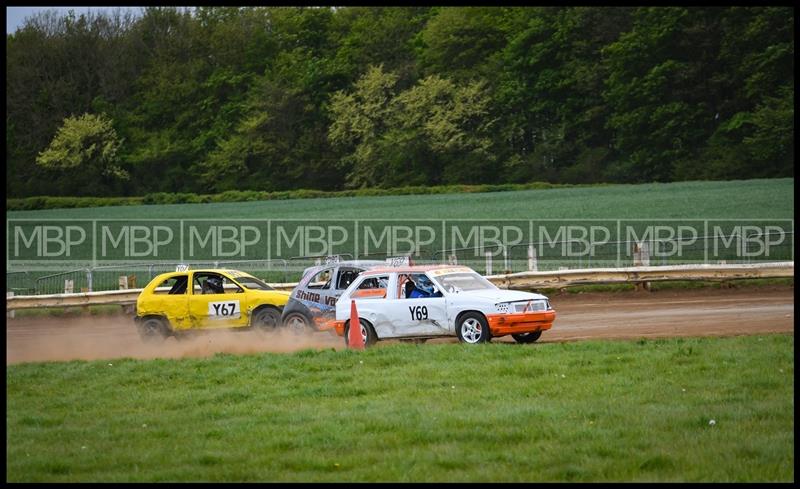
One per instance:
(216, 98)
(367, 36)
(360, 119)
(659, 116)
(463, 42)
(454, 122)
(434, 132)
(771, 142)
(549, 93)
(58, 65)
(88, 145)
(271, 131)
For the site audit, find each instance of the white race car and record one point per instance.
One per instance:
(421, 302)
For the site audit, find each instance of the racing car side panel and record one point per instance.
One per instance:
(173, 307)
(218, 310)
(412, 317)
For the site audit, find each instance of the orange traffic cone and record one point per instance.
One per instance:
(354, 338)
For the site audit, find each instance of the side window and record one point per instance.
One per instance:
(346, 277)
(322, 280)
(214, 283)
(420, 286)
(172, 286)
(372, 288)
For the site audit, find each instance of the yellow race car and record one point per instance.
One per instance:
(179, 302)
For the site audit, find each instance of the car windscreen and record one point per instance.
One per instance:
(461, 282)
(253, 283)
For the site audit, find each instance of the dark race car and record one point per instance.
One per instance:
(312, 305)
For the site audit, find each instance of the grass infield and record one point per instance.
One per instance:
(577, 411)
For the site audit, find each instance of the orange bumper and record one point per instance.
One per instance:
(527, 322)
(337, 326)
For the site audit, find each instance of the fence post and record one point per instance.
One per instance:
(533, 264)
(641, 254)
(744, 247)
(10, 314)
(488, 263)
(89, 278)
(505, 259)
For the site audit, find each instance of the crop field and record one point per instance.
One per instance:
(650, 410)
(756, 199)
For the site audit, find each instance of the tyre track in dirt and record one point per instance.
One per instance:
(624, 315)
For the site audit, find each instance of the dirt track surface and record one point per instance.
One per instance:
(626, 315)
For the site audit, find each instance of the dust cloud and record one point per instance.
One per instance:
(109, 337)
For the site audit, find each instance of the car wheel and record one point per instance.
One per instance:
(367, 333)
(526, 337)
(266, 318)
(472, 328)
(296, 323)
(153, 330)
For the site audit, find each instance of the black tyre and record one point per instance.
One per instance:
(367, 333)
(526, 337)
(266, 319)
(472, 328)
(153, 330)
(297, 323)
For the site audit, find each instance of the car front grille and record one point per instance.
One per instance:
(530, 306)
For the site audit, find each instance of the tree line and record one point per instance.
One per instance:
(213, 99)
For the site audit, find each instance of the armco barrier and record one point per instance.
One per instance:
(517, 281)
(563, 278)
(113, 297)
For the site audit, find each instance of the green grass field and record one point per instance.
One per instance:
(584, 411)
(745, 199)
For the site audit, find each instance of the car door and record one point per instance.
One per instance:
(320, 296)
(421, 316)
(171, 299)
(210, 309)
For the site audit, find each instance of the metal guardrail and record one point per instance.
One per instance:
(517, 281)
(107, 297)
(563, 278)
